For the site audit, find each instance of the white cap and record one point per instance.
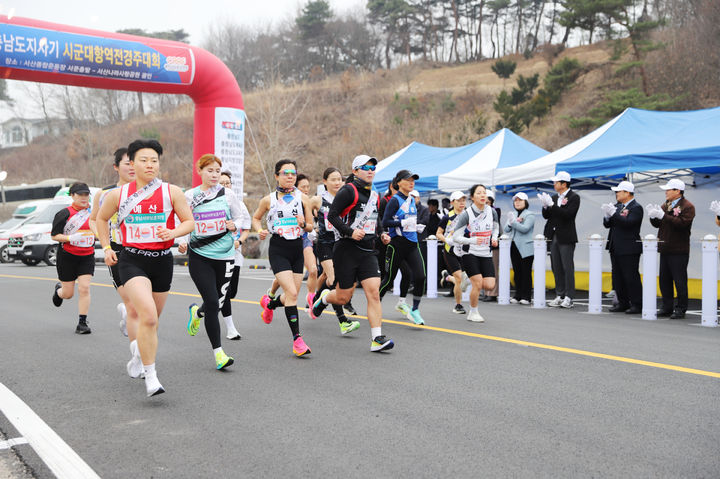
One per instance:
(674, 184)
(415, 193)
(361, 160)
(561, 176)
(520, 195)
(490, 194)
(456, 195)
(624, 186)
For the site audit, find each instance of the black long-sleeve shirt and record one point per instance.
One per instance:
(343, 199)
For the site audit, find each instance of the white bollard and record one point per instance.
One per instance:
(539, 271)
(432, 261)
(649, 307)
(595, 273)
(709, 281)
(503, 276)
(396, 284)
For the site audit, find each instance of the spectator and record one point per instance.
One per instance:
(521, 225)
(624, 220)
(674, 222)
(560, 211)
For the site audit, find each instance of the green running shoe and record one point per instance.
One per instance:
(349, 326)
(193, 325)
(415, 316)
(222, 360)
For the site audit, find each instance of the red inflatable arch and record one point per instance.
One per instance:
(33, 50)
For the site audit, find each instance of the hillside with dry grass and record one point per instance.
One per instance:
(328, 122)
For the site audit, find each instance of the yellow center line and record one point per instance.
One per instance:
(579, 352)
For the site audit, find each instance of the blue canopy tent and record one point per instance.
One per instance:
(636, 141)
(446, 169)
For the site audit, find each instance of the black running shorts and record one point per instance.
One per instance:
(451, 260)
(323, 251)
(155, 265)
(70, 266)
(114, 271)
(286, 255)
(474, 265)
(353, 264)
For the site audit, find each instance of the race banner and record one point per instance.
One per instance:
(230, 144)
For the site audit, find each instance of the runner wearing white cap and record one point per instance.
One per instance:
(451, 251)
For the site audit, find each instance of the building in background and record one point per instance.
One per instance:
(22, 131)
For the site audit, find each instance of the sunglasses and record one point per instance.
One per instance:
(288, 172)
(367, 167)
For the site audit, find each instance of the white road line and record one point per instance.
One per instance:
(60, 458)
(12, 443)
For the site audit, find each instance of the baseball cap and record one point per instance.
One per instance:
(520, 195)
(674, 184)
(406, 174)
(362, 160)
(456, 195)
(415, 193)
(624, 186)
(561, 176)
(79, 188)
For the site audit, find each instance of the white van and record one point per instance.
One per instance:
(20, 216)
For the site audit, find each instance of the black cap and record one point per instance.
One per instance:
(406, 174)
(79, 188)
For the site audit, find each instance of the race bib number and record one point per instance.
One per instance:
(288, 228)
(410, 224)
(209, 223)
(328, 225)
(143, 228)
(87, 240)
(483, 236)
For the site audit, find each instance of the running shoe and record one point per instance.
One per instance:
(458, 309)
(222, 360)
(465, 282)
(381, 343)
(475, 317)
(403, 308)
(57, 300)
(524, 302)
(415, 317)
(555, 303)
(349, 326)
(152, 385)
(443, 278)
(514, 301)
(318, 305)
(310, 299)
(266, 314)
(193, 325)
(300, 348)
(122, 311)
(567, 303)
(82, 328)
(135, 367)
(270, 293)
(349, 309)
(233, 336)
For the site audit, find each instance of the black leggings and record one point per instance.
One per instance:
(402, 250)
(231, 292)
(212, 279)
(522, 267)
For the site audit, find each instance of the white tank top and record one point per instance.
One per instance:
(480, 226)
(282, 216)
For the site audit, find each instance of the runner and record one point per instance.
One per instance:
(76, 257)
(451, 251)
(353, 213)
(288, 215)
(320, 205)
(239, 238)
(146, 210)
(303, 184)
(477, 229)
(128, 315)
(400, 219)
(211, 250)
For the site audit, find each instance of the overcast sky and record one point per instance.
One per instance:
(156, 15)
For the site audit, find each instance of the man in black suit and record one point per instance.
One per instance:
(624, 220)
(560, 211)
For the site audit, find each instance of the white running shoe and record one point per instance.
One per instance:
(233, 335)
(135, 367)
(475, 317)
(465, 282)
(524, 302)
(567, 303)
(513, 301)
(152, 385)
(555, 303)
(122, 311)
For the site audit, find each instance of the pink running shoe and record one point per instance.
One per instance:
(266, 314)
(300, 348)
(310, 300)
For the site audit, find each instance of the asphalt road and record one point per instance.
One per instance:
(522, 395)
